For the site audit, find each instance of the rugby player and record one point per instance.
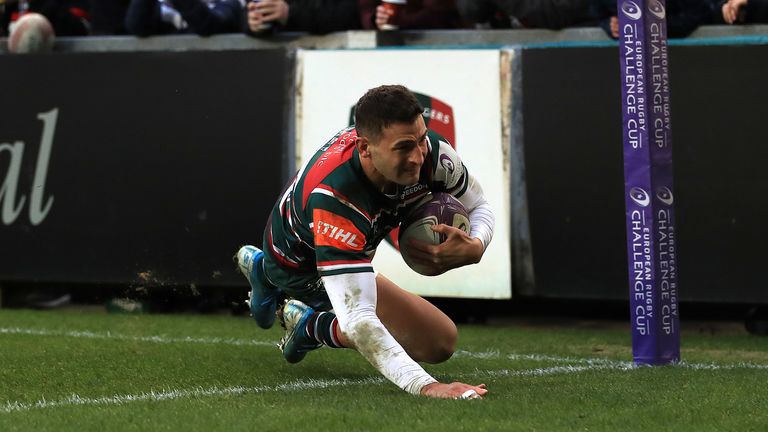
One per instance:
(324, 230)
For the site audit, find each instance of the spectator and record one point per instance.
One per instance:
(683, 16)
(547, 14)
(204, 17)
(744, 11)
(311, 16)
(417, 14)
(67, 17)
(108, 17)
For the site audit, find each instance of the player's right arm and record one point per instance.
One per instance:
(353, 296)
(339, 229)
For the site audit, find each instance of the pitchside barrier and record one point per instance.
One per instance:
(146, 168)
(150, 161)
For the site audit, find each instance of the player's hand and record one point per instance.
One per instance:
(265, 11)
(382, 16)
(454, 390)
(458, 249)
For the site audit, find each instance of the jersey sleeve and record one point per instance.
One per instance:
(340, 230)
(449, 173)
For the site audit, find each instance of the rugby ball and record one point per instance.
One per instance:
(437, 208)
(31, 33)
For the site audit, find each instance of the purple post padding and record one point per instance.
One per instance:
(649, 198)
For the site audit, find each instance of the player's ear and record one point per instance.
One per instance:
(363, 145)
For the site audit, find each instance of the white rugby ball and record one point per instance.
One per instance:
(31, 33)
(438, 208)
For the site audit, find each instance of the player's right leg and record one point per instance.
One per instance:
(307, 322)
(262, 299)
(301, 324)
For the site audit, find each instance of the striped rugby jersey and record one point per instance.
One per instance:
(330, 218)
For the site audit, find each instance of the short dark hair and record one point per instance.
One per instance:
(381, 106)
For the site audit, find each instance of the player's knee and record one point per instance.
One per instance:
(442, 347)
(439, 354)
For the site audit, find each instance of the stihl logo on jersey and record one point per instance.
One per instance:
(336, 231)
(338, 234)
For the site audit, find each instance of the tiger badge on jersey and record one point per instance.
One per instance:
(336, 231)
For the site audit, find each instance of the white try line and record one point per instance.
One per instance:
(544, 371)
(309, 384)
(172, 394)
(299, 385)
(496, 355)
(600, 361)
(572, 365)
(155, 339)
(483, 355)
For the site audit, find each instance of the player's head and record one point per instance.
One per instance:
(381, 106)
(391, 133)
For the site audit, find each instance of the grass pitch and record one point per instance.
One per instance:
(74, 370)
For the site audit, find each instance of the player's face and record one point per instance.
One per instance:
(400, 151)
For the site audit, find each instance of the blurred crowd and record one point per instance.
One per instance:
(265, 17)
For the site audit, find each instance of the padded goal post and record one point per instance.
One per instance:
(649, 197)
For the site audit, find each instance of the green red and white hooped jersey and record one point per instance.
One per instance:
(330, 218)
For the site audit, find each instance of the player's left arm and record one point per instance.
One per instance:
(481, 218)
(459, 249)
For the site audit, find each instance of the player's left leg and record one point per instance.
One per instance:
(424, 331)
